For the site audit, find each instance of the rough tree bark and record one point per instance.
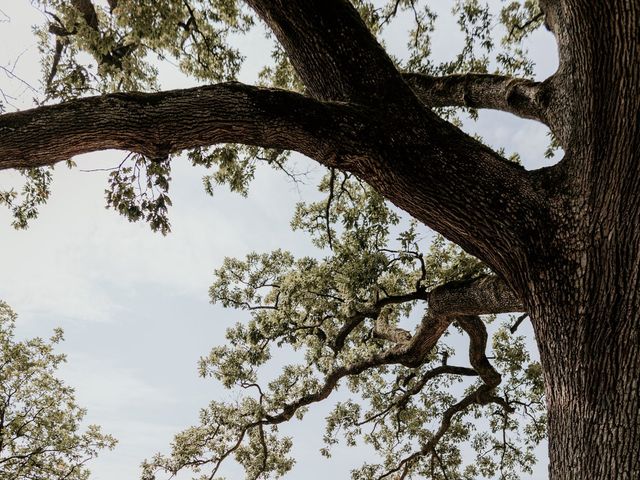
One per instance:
(564, 239)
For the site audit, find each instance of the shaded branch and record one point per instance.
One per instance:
(88, 11)
(521, 97)
(157, 124)
(460, 301)
(482, 395)
(483, 295)
(517, 323)
(429, 168)
(333, 51)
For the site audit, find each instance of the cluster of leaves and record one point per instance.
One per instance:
(485, 48)
(91, 48)
(40, 422)
(324, 313)
(235, 165)
(138, 190)
(35, 191)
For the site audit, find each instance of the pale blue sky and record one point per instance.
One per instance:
(134, 304)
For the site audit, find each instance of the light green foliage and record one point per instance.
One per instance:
(299, 308)
(40, 422)
(140, 189)
(102, 49)
(323, 313)
(105, 50)
(236, 164)
(35, 191)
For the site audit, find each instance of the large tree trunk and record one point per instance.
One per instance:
(585, 281)
(590, 350)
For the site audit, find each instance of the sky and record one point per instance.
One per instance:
(134, 304)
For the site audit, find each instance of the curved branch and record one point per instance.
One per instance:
(482, 295)
(446, 304)
(157, 124)
(521, 97)
(482, 395)
(429, 168)
(417, 388)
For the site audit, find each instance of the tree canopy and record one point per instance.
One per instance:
(375, 309)
(41, 433)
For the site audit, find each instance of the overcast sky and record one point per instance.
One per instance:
(134, 304)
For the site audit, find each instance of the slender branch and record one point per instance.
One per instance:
(328, 208)
(478, 396)
(517, 323)
(417, 388)
(524, 98)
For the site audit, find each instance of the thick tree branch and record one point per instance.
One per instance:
(432, 170)
(387, 137)
(524, 98)
(478, 296)
(157, 124)
(333, 51)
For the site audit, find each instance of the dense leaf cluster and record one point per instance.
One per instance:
(328, 314)
(41, 433)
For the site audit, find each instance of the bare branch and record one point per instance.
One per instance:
(156, 124)
(524, 98)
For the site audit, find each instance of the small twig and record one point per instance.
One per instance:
(21, 80)
(520, 319)
(328, 207)
(524, 25)
(99, 169)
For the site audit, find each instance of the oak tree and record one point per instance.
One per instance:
(40, 422)
(560, 243)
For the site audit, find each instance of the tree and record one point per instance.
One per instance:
(561, 242)
(40, 434)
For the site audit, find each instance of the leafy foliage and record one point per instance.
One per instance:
(35, 191)
(139, 191)
(331, 314)
(40, 422)
(92, 47)
(344, 315)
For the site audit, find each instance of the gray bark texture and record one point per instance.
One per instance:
(563, 241)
